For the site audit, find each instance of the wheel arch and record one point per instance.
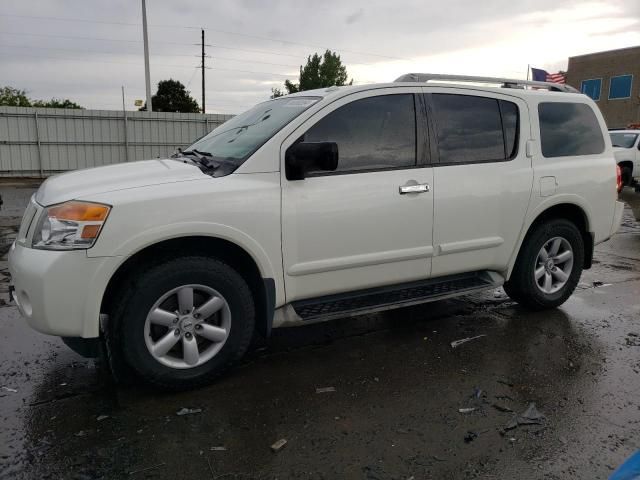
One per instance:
(626, 163)
(263, 289)
(565, 210)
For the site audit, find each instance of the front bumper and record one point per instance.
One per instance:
(60, 292)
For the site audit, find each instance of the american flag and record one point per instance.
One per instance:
(540, 75)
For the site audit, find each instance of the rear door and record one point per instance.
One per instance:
(356, 227)
(482, 178)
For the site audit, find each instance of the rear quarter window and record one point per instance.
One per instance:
(569, 129)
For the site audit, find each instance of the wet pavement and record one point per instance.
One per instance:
(394, 413)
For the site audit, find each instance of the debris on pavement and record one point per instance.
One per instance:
(7, 389)
(218, 449)
(457, 343)
(146, 469)
(506, 382)
(598, 283)
(81, 433)
(501, 408)
(325, 389)
(470, 436)
(102, 417)
(467, 410)
(276, 447)
(632, 340)
(188, 411)
(531, 416)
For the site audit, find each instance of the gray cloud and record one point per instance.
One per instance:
(256, 44)
(354, 17)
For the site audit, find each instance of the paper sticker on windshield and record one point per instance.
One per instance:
(300, 102)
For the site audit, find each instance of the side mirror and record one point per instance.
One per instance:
(304, 157)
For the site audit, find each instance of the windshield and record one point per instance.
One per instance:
(624, 140)
(236, 139)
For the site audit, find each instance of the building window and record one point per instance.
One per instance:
(591, 88)
(620, 87)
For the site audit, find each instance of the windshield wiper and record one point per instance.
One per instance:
(202, 158)
(207, 159)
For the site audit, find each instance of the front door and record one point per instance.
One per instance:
(360, 226)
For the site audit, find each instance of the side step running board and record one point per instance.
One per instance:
(386, 298)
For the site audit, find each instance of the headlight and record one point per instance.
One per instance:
(70, 226)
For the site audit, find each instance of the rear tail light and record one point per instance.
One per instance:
(618, 179)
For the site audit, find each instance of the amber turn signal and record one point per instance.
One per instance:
(80, 212)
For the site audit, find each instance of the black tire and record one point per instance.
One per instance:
(625, 174)
(126, 337)
(522, 286)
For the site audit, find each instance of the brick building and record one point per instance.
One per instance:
(612, 79)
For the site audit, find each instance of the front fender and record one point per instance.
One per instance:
(146, 238)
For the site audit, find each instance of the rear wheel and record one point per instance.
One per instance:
(548, 267)
(183, 322)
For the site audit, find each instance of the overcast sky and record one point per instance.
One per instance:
(85, 50)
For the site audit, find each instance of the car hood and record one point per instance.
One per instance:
(81, 184)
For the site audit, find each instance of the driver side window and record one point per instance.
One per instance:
(374, 133)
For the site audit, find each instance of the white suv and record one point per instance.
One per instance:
(626, 149)
(319, 205)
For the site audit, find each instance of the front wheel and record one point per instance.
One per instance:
(182, 322)
(548, 266)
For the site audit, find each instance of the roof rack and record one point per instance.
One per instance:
(506, 82)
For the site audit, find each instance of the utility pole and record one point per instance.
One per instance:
(203, 111)
(146, 56)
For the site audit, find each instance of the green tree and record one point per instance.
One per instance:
(319, 72)
(172, 96)
(276, 92)
(14, 97)
(57, 103)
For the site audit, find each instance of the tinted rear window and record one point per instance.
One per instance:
(568, 129)
(469, 128)
(475, 129)
(511, 124)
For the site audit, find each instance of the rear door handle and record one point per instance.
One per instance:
(417, 188)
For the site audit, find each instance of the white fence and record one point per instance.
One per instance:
(43, 141)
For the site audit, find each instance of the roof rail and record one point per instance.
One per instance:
(506, 82)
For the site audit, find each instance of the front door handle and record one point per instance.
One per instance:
(417, 188)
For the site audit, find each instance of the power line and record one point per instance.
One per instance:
(140, 41)
(93, 52)
(157, 64)
(226, 32)
(224, 47)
